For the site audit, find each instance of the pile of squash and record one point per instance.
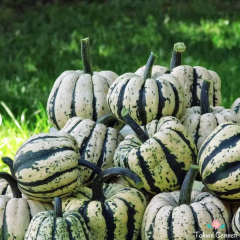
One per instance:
(122, 159)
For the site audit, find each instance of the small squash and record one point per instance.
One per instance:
(184, 214)
(146, 97)
(201, 121)
(16, 213)
(79, 93)
(116, 217)
(219, 161)
(96, 142)
(47, 165)
(56, 224)
(161, 155)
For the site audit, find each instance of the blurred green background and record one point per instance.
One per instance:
(41, 39)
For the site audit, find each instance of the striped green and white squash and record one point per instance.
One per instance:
(96, 142)
(79, 93)
(46, 165)
(161, 155)
(236, 224)
(16, 213)
(56, 224)
(200, 121)
(190, 78)
(147, 98)
(116, 217)
(219, 162)
(184, 214)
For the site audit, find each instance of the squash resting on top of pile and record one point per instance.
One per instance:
(79, 93)
(146, 97)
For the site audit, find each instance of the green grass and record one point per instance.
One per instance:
(14, 131)
(39, 42)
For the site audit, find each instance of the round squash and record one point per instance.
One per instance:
(96, 142)
(146, 97)
(200, 121)
(58, 225)
(190, 78)
(16, 213)
(116, 217)
(47, 165)
(79, 93)
(219, 161)
(184, 214)
(161, 155)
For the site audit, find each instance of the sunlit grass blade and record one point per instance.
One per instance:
(11, 115)
(15, 131)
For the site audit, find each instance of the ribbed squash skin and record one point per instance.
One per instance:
(45, 226)
(86, 193)
(219, 161)
(146, 100)
(16, 214)
(163, 160)
(191, 79)
(236, 223)
(46, 165)
(77, 94)
(201, 126)
(119, 217)
(96, 143)
(164, 220)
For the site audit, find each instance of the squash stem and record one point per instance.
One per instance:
(86, 56)
(135, 127)
(57, 212)
(186, 189)
(13, 184)
(103, 176)
(148, 68)
(85, 163)
(108, 120)
(176, 59)
(204, 103)
(9, 162)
